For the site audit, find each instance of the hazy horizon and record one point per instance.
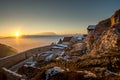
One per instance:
(22, 44)
(42, 35)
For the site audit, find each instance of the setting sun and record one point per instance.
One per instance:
(17, 34)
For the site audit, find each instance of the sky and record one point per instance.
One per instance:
(59, 16)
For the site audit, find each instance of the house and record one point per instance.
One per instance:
(68, 40)
(60, 41)
(91, 28)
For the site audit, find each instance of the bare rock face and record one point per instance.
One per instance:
(115, 19)
(106, 36)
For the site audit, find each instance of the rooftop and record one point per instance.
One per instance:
(67, 39)
(91, 27)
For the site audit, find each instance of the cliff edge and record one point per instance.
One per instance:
(106, 36)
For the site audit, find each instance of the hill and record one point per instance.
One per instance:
(6, 50)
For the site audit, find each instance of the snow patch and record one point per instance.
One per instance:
(57, 47)
(63, 56)
(31, 64)
(48, 58)
(61, 45)
(60, 55)
(53, 71)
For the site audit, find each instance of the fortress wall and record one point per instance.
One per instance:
(9, 61)
(14, 59)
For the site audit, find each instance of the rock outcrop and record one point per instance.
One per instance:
(106, 36)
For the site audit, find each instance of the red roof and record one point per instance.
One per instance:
(67, 39)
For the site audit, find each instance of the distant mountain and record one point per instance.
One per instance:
(6, 50)
(47, 33)
(43, 34)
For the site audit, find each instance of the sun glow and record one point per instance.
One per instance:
(17, 34)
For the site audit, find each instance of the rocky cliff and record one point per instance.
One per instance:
(106, 36)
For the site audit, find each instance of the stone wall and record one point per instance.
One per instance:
(9, 61)
(10, 75)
